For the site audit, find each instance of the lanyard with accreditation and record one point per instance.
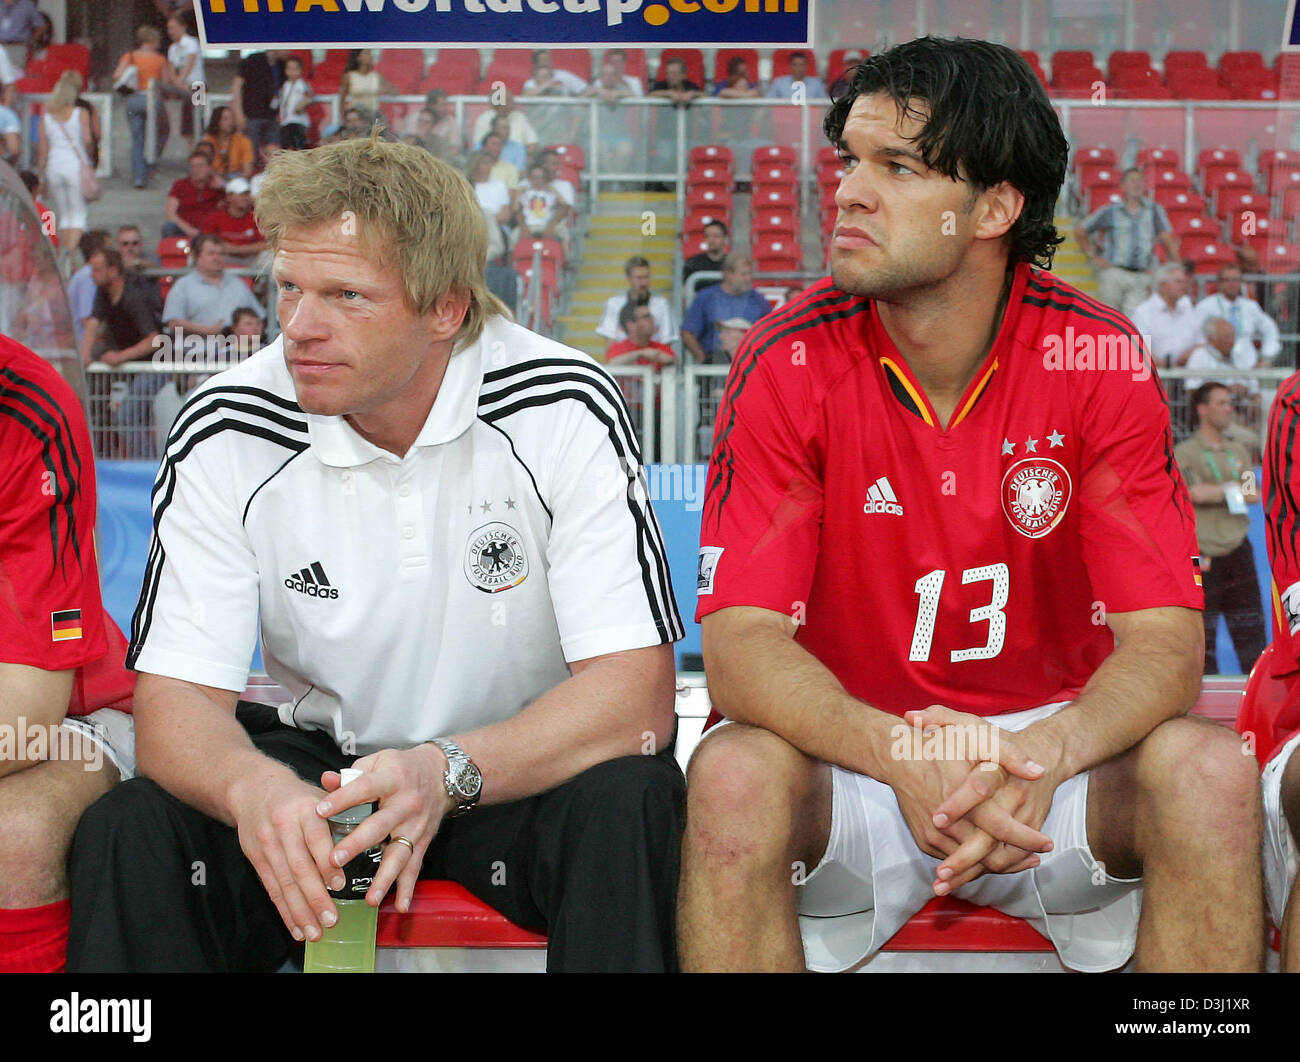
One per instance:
(1232, 493)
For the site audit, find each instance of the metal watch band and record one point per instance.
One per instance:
(456, 761)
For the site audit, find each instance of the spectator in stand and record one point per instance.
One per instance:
(192, 198)
(736, 85)
(184, 70)
(444, 120)
(267, 154)
(496, 199)
(713, 256)
(550, 159)
(424, 137)
(81, 286)
(1129, 231)
(547, 81)
(735, 297)
(150, 65)
(9, 75)
(11, 128)
(127, 313)
(1250, 323)
(62, 148)
(49, 223)
(357, 123)
(135, 259)
(610, 86)
(674, 85)
(639, 347)
(617, 143)
(252, 96)
(512, 151)
(541, 209)
(236, 228)
(784, 87)
(505, 172)
(617, 57)
(1215, 357)
(232, 152)
(291, 104)
(1168, 318)
(245, 323)
(362, 84)
(19, 21)
(503, 105)
(637, 271)
(1220, 478)
(205, 299)
(730, 333)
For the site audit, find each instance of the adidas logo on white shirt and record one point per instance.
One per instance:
(312, 582)
(881, 498)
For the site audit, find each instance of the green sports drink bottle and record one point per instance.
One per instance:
(349, 945)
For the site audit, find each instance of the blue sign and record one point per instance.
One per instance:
(1291, 42)
(421, 23)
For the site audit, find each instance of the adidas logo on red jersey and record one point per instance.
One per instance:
(881, 498)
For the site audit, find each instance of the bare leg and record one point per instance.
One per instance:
(1291, 918)
(757, 807)
(39, 810)
(1183, 809)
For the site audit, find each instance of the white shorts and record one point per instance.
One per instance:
(873, 878)
(1279, 848)
(113, 732)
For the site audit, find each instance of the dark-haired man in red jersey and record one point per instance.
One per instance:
(948, 580)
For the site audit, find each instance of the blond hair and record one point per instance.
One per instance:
(411, 212)
(65, 91)
(148, 35)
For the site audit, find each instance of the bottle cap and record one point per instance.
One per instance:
(350, 774)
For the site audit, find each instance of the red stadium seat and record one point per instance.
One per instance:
(1162, 157)
(765, 196)
(1031, 57)
(693, 58)
(775, 221)
(1094, 156)
(570, 154)
(1072, 60)
(710, 199)
(327, 75)
(1092, 173)
(1195, 225)
(827, 157)
(1279, 257)
(636, 62)
(714, 177)
(774, 173)
(836, 67)
(1101, 194)
(174, 251)
(711, 154)
(1197, 85)
(455, 76)
(1232, 62)
(1291, 201)
(1218, 155)
(510, 66)
(1282, 178)
(1163, 178)
(1209, 255)
(403, 67)
(1133, 84)
(1257, 233)
(779, 254)
(693, 243)
(774, 153)
(1234, 200)
(724, 55)
(698, 218)
(527, 248)
(77, 57)
(1216, 178)
(1128, 61)
(1275, 158)
(575, 60)
(1183, 60)
(781, 61)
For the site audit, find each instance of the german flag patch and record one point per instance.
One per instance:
(1196, 570)
(65, 625)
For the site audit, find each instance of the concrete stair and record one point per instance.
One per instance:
(1070, 264)
(615, 232)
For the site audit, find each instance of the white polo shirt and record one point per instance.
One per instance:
(405, 598)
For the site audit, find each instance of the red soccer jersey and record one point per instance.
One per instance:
(51, 615)
(237, 231)
(1278, 716)
(194, 203)
(972, 566)
(625, 345)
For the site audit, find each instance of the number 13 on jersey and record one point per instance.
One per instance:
(929, 588)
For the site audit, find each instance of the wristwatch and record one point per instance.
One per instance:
(463, 781)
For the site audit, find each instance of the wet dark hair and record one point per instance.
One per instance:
(987, 119)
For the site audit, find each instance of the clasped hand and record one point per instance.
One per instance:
(974, 814)
(284, 831)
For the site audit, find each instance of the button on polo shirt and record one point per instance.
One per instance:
(402, 598)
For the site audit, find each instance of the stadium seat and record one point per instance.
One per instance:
(1185, 60)
(327, 75)
(1169, 178)
(1094, 173)
(1162, 157)
(1095, 156)
(576, 61)
(779, 254)
(455, 71)
(709, 198)
(775, 221)
(1031, 57)
(715, 154)
(827, 157)
(766, 196)
(1217, 179)
(636, 63)
(774, 153)
(1233, 62)
(835, 65)
(1197, 85)
(697, 219)
(1174, 198)
(1228, 156)
(774, 173)
(1134, 84)
(693, 243)
(714, 177)
(570, 154)
(724, 55)
(526, 249)
(1210, 255)
(77, 57)
(1282, 178)
(1262, 232)
(781, 61)
(694, 60)
(1290, 201)
(1279, 257)
(1101, 194)
(1195, 225)
(510, 66)
(174, 251)
(1231, 201)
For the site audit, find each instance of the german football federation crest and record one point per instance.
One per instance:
(1035, 494)
(495, 559)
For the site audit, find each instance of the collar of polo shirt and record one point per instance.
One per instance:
(335, 442)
